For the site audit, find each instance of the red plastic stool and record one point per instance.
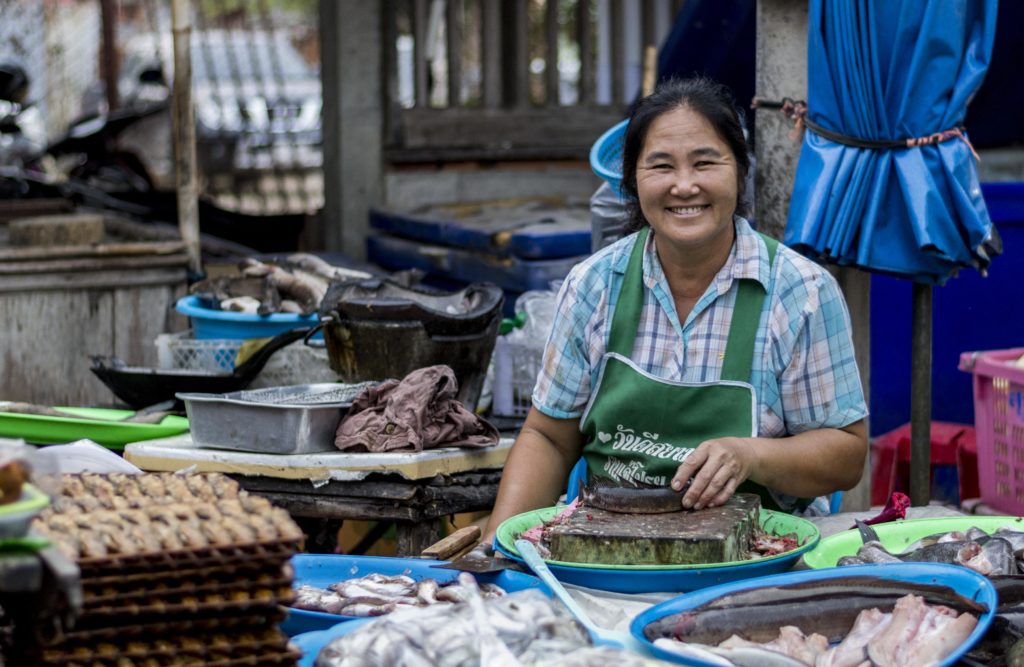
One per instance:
(890, 463)
(967, 465)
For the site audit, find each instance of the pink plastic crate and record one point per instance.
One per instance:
(999, 422)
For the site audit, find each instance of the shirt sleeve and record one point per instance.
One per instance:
(820, 385)
(564, 384)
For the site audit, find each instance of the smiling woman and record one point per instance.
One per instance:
(726, 350)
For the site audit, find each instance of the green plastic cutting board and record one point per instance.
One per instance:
(896, 536)
(776, 523)
(100, 425)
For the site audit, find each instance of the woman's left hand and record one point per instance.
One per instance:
(717, 467)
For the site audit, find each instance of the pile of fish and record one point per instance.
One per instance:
(1001, 553)
(524, 627)
(845, 621)
(378, 594)
(296, 285)
(914, 633)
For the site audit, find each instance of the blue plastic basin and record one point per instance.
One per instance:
(966, 582)
(210, 324)
(321, 571)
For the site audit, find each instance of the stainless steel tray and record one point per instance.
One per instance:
(300, 419)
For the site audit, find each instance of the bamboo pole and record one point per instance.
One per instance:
(185, 133)
(650, 70)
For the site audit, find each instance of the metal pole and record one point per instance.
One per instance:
(921, 397)
(185, 133)
(109, 65)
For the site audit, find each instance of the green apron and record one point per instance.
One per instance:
(639, 428)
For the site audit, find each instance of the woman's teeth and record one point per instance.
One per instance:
(687, 210)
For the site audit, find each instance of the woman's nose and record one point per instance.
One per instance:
(684, 184)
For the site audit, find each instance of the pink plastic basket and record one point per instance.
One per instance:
(999, 422)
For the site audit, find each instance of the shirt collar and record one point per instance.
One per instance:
(748, 260)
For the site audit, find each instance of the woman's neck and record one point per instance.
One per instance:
(689, 271)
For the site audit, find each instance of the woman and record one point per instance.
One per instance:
(695, 347)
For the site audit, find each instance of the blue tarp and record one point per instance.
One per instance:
(888, 71)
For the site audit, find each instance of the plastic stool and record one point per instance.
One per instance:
(577, 476)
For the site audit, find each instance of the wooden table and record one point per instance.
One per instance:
(411, 490)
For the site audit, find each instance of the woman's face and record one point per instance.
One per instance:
(686, 178)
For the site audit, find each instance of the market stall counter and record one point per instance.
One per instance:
(321, 490)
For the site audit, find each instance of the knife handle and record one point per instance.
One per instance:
(459, 541)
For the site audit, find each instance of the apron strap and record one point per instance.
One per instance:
(626, 315)
(746, 316)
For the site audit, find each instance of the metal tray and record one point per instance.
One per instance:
(300, 419)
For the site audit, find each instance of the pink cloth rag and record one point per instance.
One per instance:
(420, 412)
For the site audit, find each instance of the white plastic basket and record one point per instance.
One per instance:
(516, 366)
(180, 350)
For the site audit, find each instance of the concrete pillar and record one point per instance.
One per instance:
(353, 120)
(782, 72)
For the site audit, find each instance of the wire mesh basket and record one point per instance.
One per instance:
(180, 350)
(606, 155)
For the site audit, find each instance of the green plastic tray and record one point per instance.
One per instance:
(776, 523)
(100, 425)
(898, 535)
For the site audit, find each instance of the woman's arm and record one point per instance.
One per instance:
(537, 468)
(805, 465)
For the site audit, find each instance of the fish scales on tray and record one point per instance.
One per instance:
(520, 628)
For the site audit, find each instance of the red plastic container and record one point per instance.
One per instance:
(890, 462)
(999, 422)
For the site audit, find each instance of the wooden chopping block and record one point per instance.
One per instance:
(56, 230)
(712, 535)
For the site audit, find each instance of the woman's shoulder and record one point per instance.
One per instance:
(597, 269)
(794, 272)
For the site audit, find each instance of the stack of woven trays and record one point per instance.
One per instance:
(176, 570)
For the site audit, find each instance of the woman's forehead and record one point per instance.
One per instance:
(684, 130)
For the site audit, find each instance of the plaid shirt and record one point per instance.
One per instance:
(804, 373)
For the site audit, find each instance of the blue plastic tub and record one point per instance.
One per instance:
(321, 571)
(969, 313)
(210, 324)
(606, 155)
(966, 582)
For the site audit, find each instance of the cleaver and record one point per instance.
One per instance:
(632, 499)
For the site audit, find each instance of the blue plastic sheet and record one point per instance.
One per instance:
(891, 71)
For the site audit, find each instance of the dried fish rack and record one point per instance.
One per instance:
(176, 570)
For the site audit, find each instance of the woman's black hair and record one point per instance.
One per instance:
(711, 100)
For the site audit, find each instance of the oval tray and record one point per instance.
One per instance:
(965, 582)
(321, 571)
(101, 425)
(897, 535)
(654, 578)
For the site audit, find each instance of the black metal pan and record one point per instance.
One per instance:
(140, 387)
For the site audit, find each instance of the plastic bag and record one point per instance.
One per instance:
(608, 217)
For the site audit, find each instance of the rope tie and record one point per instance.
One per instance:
(796, 111)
